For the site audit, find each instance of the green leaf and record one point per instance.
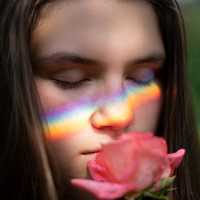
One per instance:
(133, 195)
(166, 182)
(165, 187)
(156, 196)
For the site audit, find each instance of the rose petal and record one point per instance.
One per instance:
(126, 160)
(117, 161)
(136, 136)
(132, 163)
(103, 190)
(150, 169)
(166, 172)
(98, 172)
(175, 159)
(147, 140)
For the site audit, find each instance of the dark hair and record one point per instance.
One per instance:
(25, 170)
(177, 122)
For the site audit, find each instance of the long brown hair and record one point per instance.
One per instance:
(25, 172)
(177, 122)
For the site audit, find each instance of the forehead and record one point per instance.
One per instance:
(98, 28)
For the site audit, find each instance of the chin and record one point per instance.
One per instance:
(79, 167)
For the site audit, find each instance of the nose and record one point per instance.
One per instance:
(115, 116)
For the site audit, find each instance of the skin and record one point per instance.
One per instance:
(120, 37)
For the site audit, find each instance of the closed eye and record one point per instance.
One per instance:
(143, 76)
(67, 85)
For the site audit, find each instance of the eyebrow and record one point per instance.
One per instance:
(64, 57)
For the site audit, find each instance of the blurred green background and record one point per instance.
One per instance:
(191, 11)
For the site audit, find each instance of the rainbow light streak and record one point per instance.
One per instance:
(74, 118)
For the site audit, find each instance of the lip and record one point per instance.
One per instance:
(92, 151)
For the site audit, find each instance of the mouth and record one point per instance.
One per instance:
(92, 151)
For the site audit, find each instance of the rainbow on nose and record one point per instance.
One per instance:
(68, 120)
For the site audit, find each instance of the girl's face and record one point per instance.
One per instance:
(96, 64)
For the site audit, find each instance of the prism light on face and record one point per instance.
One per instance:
(73, 119)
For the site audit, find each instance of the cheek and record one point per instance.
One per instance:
(146, 115)
(62, 117)
(67, 121)
(146, 106)
(50, 97)
(66, 154)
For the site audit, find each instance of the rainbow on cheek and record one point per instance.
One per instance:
(69, 120)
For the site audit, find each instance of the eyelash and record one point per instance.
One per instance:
(141, 82)
(78, 84)
(145, 81)
(70, 85)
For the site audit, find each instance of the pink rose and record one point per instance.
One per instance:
(132, 163)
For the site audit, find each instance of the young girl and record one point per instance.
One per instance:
(77, 74)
